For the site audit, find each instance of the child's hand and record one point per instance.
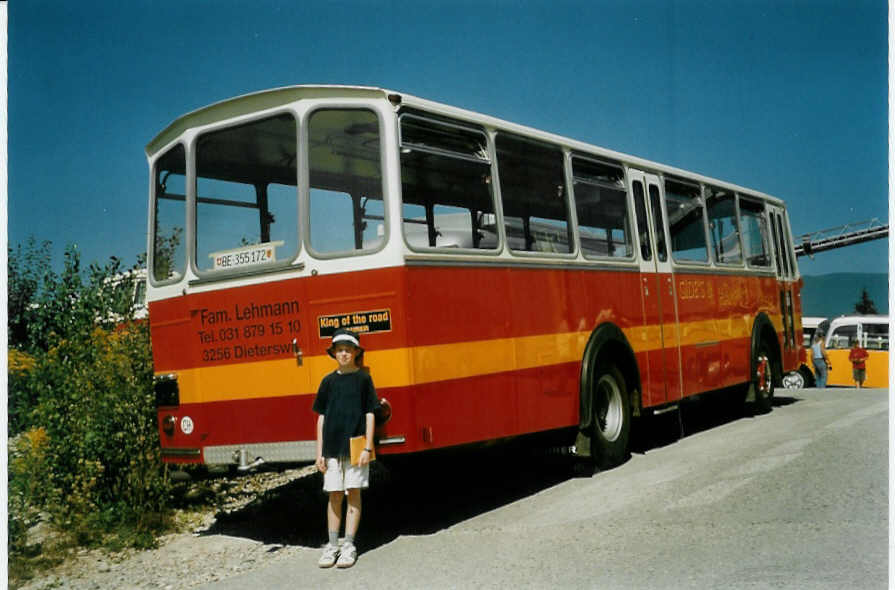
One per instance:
(321, 464)
(364, 458)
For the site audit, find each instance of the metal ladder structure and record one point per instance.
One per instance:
(840, 236)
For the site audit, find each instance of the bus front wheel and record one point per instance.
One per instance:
(612, 417)
(762, 383)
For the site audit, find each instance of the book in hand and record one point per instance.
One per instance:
(358, 444)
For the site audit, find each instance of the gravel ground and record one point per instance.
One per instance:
(209, 550)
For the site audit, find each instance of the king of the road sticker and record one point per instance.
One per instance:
(362, 322)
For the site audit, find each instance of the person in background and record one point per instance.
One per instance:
(820, 359)
(858, 356)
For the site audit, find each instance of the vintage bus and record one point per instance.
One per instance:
(872, 332)
(506, 281)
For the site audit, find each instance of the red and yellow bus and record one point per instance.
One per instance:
(506, 281)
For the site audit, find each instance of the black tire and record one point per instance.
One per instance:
(612, 416)
(761, 384)
(807, 375)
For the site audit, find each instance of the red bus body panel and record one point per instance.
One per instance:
(468, 354)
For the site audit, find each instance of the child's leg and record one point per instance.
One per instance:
(352, 518)
(334, 515)
(333, 523)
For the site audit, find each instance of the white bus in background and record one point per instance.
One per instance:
(139, 309)
(804, 376)
(810, 325)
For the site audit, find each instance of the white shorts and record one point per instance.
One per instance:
(341, 475)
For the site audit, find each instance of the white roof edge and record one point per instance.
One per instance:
(494, 122)
(634, 161)
(871, 317)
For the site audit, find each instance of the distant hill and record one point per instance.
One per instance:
(836, 294)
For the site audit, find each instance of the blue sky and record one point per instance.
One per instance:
(784, 97)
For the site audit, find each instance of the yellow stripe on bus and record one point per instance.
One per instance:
(428, 364)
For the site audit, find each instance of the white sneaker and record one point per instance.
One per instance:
(328, 559)
(347, 556)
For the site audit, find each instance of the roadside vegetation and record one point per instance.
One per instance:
(83, 444)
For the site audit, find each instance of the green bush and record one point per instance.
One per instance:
(97, 407)
(82, 405)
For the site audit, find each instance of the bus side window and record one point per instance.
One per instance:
(781, 245)
(775, 245)
(723, 226)
(842, 337)
(445, 185)
(646, 248)
(789, 251)
(532, 187)
(755, 233)
(876, 336)
(168, 251)
(686, 221)
(601, 203)
(658, 223)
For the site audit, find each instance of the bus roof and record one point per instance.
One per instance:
(268, 99)
(855, 318)
(250, 103)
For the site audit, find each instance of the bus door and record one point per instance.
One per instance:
(786, 273)
(663, 373)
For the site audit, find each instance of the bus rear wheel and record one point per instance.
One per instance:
(612, 417)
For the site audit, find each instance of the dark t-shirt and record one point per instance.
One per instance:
(344, 400)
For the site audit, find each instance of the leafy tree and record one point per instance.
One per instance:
(26, 268)
(865, 305)
(45, 307)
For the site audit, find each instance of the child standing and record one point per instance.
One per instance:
(857, 355)
(346, 401)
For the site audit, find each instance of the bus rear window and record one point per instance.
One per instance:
(246, 195)
(345, 183)
(168, 253)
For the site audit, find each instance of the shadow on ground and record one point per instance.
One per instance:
(410, 496)
(424, 494)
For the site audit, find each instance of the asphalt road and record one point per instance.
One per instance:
(797, 498)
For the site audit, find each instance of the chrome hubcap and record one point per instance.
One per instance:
(609, 408)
